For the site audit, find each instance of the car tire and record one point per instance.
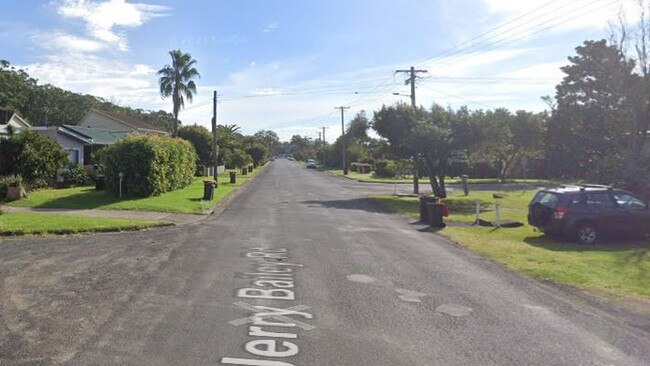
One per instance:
(587, 233)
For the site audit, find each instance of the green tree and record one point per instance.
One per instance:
(34, 157)
(237, 158)
(201, 139)
(176, 81)
(357, 131)
(587, 129)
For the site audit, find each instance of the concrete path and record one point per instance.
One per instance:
(174, 218)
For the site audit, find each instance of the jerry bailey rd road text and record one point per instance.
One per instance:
(271, 281)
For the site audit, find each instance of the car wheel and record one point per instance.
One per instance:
(587, 234)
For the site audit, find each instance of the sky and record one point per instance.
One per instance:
(284, 65)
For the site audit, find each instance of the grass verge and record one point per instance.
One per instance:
(611, 268)
(186, 200)
(28, 223)
(371, 178)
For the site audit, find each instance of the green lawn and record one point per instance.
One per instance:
(186, 200)
(612, 268)
(24, 223)
(371, 178)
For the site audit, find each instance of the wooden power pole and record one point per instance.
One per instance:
(215, 147)
(412, 77)
(344, 163)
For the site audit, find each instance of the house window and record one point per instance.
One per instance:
(73, 156)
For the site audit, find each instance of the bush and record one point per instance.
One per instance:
(237, 159)
(9, 181)
(151, 165)
(386, 169)
(34, 157)
(74, 175)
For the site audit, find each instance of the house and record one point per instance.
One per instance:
(118, 122)
(80, 142)
(10, 120)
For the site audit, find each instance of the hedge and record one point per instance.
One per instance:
(151, 165)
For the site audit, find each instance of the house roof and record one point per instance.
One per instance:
(131, 121)
(96, 136)
(7, 116)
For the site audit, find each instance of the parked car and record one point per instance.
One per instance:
(311, 164)
(589, 212)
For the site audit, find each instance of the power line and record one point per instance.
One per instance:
(488, 36)
(511, 39)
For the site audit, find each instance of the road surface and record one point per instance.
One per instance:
(303, 270)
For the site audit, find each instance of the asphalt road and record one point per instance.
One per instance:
(303, 270)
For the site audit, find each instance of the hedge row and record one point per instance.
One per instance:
(151, 165)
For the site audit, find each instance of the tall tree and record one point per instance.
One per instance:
(201, 139)
(587, 129)
(176, 81)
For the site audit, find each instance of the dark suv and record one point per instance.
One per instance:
(589, 213)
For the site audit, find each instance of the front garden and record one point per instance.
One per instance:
(618, 269)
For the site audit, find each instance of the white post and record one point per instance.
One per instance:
(478, 211)
(497, 208)
(121, 177)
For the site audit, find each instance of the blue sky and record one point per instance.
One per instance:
(285, 65)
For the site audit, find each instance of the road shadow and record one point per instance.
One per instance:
(357, 204)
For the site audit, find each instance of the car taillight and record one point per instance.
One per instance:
(560, 212)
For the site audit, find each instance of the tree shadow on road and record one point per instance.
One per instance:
(358, 204)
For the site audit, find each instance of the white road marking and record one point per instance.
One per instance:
(454, 310)
(410, 295)
(361, 278)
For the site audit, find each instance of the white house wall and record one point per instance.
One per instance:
(68, 144)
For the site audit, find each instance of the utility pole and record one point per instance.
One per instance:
(344, 163)
(412, 77)
(215, 148)
(324, 142)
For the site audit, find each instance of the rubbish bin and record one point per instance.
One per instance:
(233, 177)
(244, 171)
(208, 189)
(100, 183)
(435, 212)
(424, 215)
(250, 168)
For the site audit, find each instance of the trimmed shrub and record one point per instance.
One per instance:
(151, 165)
(74, 175)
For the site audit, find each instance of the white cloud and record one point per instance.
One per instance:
(126, 83)
(102, 18)
(61, 41)
(270, 27)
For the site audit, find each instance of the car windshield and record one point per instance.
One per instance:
(548, 199)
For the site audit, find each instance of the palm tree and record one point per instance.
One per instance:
(176, 81)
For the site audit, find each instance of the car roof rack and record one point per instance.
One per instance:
(584, 186)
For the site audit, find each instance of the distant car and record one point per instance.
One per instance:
(311, 164)
(589, 212)
(291, 158)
